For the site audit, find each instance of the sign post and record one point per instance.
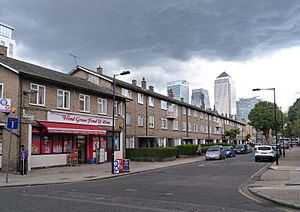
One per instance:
(12, 123)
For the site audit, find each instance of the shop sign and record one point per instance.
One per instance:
(5, 105)
(79, 119)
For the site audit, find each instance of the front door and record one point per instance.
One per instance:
(81, 148)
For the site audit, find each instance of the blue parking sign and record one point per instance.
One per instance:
(12, 123)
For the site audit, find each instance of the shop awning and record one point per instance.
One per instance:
(80, 129)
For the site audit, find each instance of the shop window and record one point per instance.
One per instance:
(57, 144)
(103, 143)
(69, 144)
(46, 144)
(116, 142)
(36, 144)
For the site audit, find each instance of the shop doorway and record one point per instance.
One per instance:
(81, 149)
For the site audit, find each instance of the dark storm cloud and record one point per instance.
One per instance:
(141, 32)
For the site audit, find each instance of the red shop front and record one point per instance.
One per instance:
(54, 139)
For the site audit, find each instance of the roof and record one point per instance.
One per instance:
(224, 74)
(37, 72)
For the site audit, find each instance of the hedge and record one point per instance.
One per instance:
(151, 154)
(188, 149)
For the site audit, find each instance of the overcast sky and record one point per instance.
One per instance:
(257, 42)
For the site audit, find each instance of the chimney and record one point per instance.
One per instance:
(144, 83)
(182, 99)
(134, 82)
(151, 88)
(100, 70)
(3, 51)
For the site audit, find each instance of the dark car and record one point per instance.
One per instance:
(241, 149)
(229, 151)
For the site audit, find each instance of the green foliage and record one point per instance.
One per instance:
(232, 133)
(151, 154)
(188, 149)
(262, 117)
(293, 126)
(248, 136)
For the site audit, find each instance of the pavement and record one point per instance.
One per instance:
(281, 183)
(278, 183)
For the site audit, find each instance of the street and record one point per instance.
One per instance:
(201, 186)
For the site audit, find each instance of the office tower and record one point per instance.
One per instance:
(200, 98)
(244, 106)
(179, 89)
(225, 95)
(7, 40)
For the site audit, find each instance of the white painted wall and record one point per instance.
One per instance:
(48, 160)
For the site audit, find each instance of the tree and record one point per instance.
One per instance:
(262, 117)
(232, 133)
(248, 136)
(294, 120)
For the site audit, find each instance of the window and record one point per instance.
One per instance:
(190, 127)
(195, 128)
(126, 93)
(151, 101)
(151, 121)
(140, 120)
(189, 111)
(201, 116)
(195, 113)
(10, 49)
(177, 141)
(116, 141)
(163, 105)
(140, 98)
(57, 144)
(183, 110)
(63, 99)
(84, 103)
(1, 90)
(183, 126)
(37, 96)
(175, 125)
(164, 123)
(93, 79)
(129, 143)
(102, 106)
(118, 109)
(2, 43)
(46, 144)
(128, 119)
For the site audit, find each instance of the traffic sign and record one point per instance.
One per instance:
(12, 123)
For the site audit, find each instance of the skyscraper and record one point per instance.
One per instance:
(179, 89)
(200, 98)
(244, 106)
(225, 95)
(7, 40)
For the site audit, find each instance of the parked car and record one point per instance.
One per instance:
(265, 152)
(215, 152)
(229, 151)
(241, 149)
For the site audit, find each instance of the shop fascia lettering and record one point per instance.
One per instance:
(79, 119)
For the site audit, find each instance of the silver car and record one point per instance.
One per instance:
(215, 152)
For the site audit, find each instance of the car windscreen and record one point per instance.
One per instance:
(264, 148)
(240, 147)
(213, 150)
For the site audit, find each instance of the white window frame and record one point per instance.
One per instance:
(140, 98)
(175, 124)
(86, 99)
(195, 114)
(183, 126)
(38, 94)
(164, 123)
(65, 95)
(127, 93)
(118, 108)
(163, 105)
(129, 142)
(195, 128)
(151, 121)
(183, 110)
(102, 106)
(140, 120)
(151, 101)
(128, 118)
(1, 90)
(190, 127)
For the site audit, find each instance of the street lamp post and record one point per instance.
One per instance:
(113, 120)
(275, 118)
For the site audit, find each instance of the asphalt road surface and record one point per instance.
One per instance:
(201, 186)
